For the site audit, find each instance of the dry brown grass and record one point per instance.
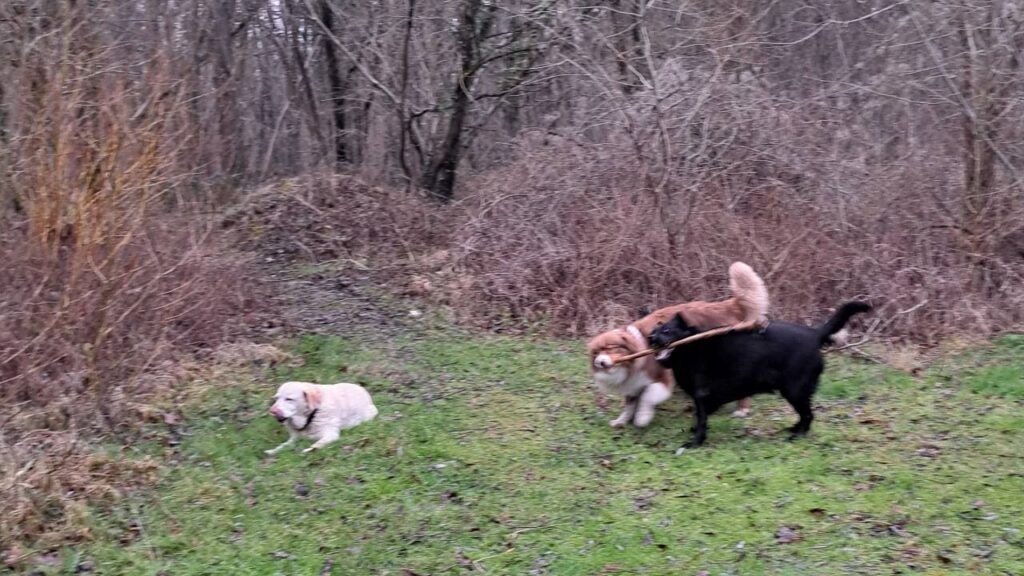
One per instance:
(48, 477)
(87, 359)
(103, 283)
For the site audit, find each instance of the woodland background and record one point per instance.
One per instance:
(553, 163)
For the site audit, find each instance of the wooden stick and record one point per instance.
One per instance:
(852, 345)
(694, 338)
(726, 330)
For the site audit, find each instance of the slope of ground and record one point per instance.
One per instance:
(492, 455)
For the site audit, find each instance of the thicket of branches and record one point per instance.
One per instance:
(581, 158)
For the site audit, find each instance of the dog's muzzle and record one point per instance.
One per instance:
(603, 362)
(276, 414)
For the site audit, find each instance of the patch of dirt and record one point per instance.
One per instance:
(336, 217)
(338, 256)
(335, 303)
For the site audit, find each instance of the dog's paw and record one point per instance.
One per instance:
(741, 412)
(618, 422)
(270, 452)
(795, 433)
(643, 419)
(308, 450)
(697, 440)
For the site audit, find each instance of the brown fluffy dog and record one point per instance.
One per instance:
(644, 383)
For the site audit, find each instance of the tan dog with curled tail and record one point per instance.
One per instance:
(643, 383)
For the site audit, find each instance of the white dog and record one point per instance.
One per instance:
(320, 412)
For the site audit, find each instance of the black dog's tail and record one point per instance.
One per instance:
(839, 319)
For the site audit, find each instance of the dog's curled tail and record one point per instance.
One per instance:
(749, 290)
(839, 319)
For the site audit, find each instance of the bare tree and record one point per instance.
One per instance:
(334, 82)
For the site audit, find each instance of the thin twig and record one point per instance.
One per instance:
(677, 343)
(853, 345)
(862, 354)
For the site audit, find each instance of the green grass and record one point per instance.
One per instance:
(492, 455)
(997, 370)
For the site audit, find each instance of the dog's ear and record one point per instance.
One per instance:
(313, 396)
(680, 325)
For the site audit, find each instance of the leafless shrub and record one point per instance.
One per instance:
(102, 284)
(576, 241)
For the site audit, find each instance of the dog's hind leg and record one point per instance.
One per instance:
(802, 405)
(700, 429)
(628, 409)
(653, 395)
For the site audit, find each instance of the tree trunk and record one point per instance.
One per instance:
(404, 125)
(980, 132)
(439, 175)
(979, 168)
(225, 85)
(625, 22)
(337, 88)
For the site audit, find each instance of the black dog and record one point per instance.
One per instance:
(784, 357)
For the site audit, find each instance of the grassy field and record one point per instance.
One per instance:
(493, 455)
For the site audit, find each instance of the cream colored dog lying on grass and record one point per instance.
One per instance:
(319, 412)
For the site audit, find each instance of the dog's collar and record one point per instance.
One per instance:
(309, 420)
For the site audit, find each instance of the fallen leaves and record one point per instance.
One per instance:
(788, 535)
(898, 528)
(643, 501)
(872, 421)
(754, 432)
(12, 556)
